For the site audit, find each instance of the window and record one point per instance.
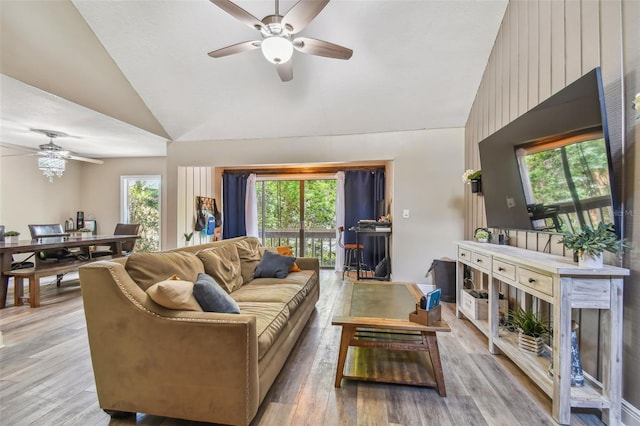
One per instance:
(140, 203)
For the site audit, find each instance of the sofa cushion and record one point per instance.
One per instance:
(223, 264)
(250, 255)
(291, 294)
(146, 269)
(291, 290)
(273, 265)
(212, 297)
(285, 251)
(271, 319)
(174, 294)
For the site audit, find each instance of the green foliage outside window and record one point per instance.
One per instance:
(279, 216)
(144, 208)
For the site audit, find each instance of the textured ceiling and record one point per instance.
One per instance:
(127, 76)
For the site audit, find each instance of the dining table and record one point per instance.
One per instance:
(8, 250)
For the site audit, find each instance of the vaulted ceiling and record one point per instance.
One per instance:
(124, 77)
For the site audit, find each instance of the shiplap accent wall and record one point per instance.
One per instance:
(192, 182)
(541, 47)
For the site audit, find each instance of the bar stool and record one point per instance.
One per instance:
(351, 254)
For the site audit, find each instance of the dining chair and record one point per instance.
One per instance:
(128, 247)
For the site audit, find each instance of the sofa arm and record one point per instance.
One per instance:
(192, 365)
(307, 263)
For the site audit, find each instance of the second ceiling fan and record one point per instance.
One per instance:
(277, 33)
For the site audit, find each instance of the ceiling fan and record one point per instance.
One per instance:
(277, 33)
(52, 157)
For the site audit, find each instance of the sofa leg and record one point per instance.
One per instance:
(115, 414)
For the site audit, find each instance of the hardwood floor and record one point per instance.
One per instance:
(46, 376)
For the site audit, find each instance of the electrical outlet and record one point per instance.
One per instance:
(405, 213)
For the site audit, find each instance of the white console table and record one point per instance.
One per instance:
(560, 282)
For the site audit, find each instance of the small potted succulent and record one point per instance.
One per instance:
(531, 330)
(85, 233)
(11, 237)
(187, 238)
(482, 235)
(590, 243)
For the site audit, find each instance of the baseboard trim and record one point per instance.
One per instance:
(630, 414)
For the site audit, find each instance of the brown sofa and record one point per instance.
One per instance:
(203, 366)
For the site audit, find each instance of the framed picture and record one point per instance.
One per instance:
(91, 224)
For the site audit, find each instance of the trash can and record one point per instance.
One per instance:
(444, 278)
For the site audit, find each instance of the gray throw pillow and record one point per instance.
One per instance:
(211, 297)
(273, 265)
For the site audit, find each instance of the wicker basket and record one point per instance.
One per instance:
(531, 344)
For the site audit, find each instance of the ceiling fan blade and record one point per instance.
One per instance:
(20, 147)
(285, 71)
(301, 14)
(239, 13)
(235, 48)
(85, 159)
(19, 155)
(321, 48)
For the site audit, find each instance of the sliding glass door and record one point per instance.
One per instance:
(299, 213)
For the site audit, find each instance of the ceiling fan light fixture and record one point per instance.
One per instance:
(51, 166)
(277, 50)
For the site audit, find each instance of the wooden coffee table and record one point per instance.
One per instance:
(385, 345)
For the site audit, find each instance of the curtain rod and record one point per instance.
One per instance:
(302, 170)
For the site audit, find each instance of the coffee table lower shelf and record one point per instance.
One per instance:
(389, 366)
(390, 356)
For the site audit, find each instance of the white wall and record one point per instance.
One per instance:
(427, 165)
(27, 197)
(100, 188)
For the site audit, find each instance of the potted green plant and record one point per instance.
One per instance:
(531, 330)
(473, 178)
(590, 243)
(187, 237)
(482, 235)
(11, 237)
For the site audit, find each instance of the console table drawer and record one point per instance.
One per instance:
(481, 260)
(464, 254)
(535, 280)
(504, 269)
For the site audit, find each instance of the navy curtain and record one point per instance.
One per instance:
(234, 193)
(364, 199)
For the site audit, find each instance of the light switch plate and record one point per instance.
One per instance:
(405, 213)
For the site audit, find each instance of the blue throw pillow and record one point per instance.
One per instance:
(274, 265)
(211, 297)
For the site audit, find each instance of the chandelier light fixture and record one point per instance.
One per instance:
(51, 166)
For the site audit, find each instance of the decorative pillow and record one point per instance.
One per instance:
(223, 264)
(286, 251)
(212, 297)
(250, 255)
(146, 269)
(273, 265)
(174, 294)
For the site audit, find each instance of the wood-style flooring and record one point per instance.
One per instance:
(46, 376)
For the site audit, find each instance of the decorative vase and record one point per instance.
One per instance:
(577, 376)
(530, 344)
(12, 239)
(86, 235)
(588, 261)
(476, 186)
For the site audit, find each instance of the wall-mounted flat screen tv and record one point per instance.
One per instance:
(551, 168)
